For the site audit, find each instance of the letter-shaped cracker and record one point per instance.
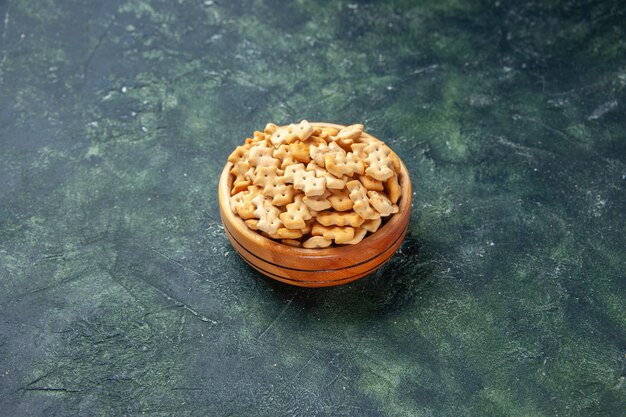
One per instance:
(332, 182)
(262, 156)
(381, 203)
(340, 164)
(241, 203)
(305, 180)
(318, 202)
(239, 154)
(291, 242)
(270, 128)
(393, 188)
(328, 218)
(359, 234)
(371, 184)
(340, 235)
(284, 156)
(358, 195)
(274, 186)
(317, 242)
(381, 161)
(284, 233)
(296, 214)
(242, 172)
(300, 152)
(372, 225)
(291, 133)
(353, 132)
(340, 200)
(267, 215)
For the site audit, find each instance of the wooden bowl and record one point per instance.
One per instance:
(315, 267)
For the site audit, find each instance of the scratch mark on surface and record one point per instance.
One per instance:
(53, 285)
(333, 381)
(550, 128)
(187, 389)
(277, 317)
(521, 150)
(99, 42)
(180, 304)
(5, 30)
(61, 389)
(181, 328)
(305, 365)
(603, 109)
(175, 261)
(34, 381)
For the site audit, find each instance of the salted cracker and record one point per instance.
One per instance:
(358, 195)
(381, 203)
(317, 242)
(296, 214)
(291, 133)
(329, 218)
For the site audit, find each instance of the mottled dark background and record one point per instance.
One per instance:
(119, 292)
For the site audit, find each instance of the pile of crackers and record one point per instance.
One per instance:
(313, 187)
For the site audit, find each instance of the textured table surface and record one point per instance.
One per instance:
(119, 292)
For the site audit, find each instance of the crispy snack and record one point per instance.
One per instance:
(313, 187)
(316, 242)
(327, 218)
(358, 195)
(296, 214)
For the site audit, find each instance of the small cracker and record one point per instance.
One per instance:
(267, 214)
(339, 234)
(291, 133)
(242, 203)
(296, 214)
(262, 156)
(270, 128)
(381, 203)
(235, 200)
(353, 132)
(316, 242)
(318, 202)
(274, 186)
(317, 152)
(372, 225)
(252, 224)
(359, 234)
(314, 140)
(393, 188)
(371, 184)
(242, 172)
(329, 132)
(358, 149)
(284, 156)
(309, 225)
(305, 180)
(381, 161)
(300, 152)
(258, 137)
(340, 200)
(239, 154)
(358, 195)
(332, 182)
(340, 164)
(291, 242)
(328, 218)
(345, 144)
(285, 233)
